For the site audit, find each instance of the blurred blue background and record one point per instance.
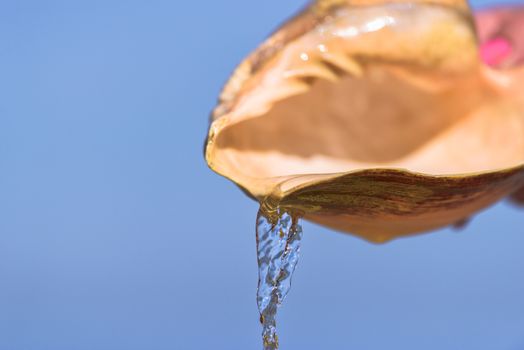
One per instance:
(115, 235)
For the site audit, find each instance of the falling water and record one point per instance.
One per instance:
(278, 247)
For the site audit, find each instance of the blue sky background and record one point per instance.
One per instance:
(114, 235)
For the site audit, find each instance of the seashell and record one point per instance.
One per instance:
(374, 118)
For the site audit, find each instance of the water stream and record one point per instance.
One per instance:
(278, 246)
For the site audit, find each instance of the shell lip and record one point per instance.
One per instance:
(280, 191)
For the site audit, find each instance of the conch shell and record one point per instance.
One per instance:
(372, 118)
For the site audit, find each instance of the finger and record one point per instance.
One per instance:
(514, 30)
(501, 36)
(488, 23)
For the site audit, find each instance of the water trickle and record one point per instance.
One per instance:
(278, 247)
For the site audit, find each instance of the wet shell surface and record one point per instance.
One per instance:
(376, 119)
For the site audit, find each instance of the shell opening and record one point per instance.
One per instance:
(375, 87)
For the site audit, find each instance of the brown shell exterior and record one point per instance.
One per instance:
(382, 204)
